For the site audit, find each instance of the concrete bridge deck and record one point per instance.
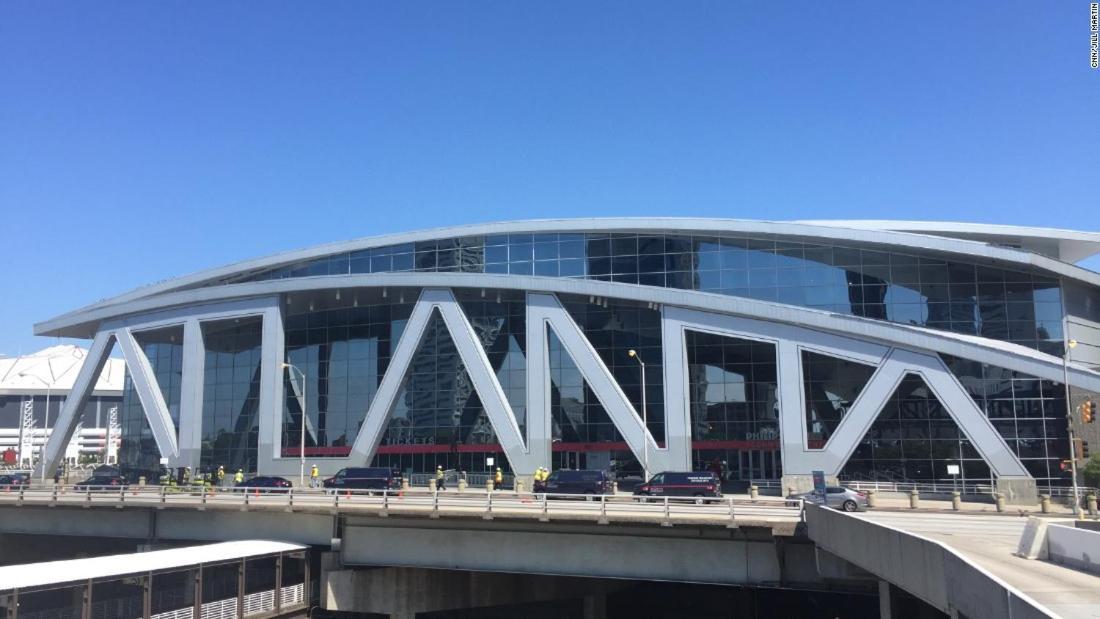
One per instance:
(963, 564)
(729, 512)
(991, 542)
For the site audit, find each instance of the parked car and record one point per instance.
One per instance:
(373, 478)
(101, 482)
(266, 483)
(14, 480)
(698, 485)
(839, 497)
(578, 482)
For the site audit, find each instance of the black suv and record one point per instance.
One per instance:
(578, 482)
(699, 485)
(376, 478)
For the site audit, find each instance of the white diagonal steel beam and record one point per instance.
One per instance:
(378, 414)
(488, 388)
(545, 309)
(71, 410)
(148, 391)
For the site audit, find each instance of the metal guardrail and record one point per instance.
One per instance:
(602, 509)
(923, 488)
(947, 488)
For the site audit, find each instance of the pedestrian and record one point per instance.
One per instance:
(238, 478)
(440, 478)
(221, 475)
(186, 476)
(498, 479)
(57, 476)
(314, 477)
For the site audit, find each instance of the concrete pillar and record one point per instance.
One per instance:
(956, 500)
(462, 485)
(1092, 504)
(1044, 503)
(914, 499)
(872, 498)
(1000, 500)
(595, 606)
(884, 606)
(754, 492)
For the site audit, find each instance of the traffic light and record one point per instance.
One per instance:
(1088, 411)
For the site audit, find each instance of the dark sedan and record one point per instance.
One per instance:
(266, 484)
(14, 480)
(101, 482)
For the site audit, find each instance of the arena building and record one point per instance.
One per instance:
(869, 350)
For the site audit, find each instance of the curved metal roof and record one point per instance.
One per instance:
(1066, 245)
(859, 232)
(74, 571)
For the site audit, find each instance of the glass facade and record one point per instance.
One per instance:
(583, 435)
(910, 287)
(231, 394)
(343, 344)
(438, 418)
(733, 391)
(616, 327)
(1028, 412)
(914, 439)
(830, 387)
(138, 453)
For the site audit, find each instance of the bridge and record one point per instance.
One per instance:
(431, 546)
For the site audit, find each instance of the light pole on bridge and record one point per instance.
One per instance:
(645, 419)
(302, 438)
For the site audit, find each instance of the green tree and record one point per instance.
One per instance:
(1091, 472)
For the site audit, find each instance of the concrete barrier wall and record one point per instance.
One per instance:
(134, 524)
(562, 553)
(1074, 547)
(145, 523)
(921, 566)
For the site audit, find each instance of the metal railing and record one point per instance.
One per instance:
(602, 508)
(921, 487)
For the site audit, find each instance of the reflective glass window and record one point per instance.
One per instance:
(831, 385)
(913, 439)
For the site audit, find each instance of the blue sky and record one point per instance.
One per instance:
(140, 141)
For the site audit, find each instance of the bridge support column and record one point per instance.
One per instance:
(1018, 490)
(595, 606)
(885, 607)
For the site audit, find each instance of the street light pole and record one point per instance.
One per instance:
(1069, 425)
(302, 438)
(645, 420)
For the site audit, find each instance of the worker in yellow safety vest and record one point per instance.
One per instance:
(238, 478)
(498, 479)
(314, 477)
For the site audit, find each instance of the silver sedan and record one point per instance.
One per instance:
(837, 497)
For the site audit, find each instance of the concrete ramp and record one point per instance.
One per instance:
(927, 568)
